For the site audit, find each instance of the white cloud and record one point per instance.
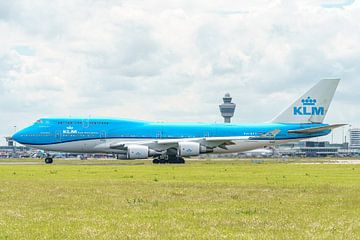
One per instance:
(173, 60)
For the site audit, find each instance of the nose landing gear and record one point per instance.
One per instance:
(49, 160)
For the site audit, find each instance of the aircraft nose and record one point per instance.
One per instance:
(17, 137)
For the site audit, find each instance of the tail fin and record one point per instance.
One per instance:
(312, 106)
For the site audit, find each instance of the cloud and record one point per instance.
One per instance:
(173, 60)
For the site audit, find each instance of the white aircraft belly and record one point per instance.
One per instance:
(83, 146)
(103, 146)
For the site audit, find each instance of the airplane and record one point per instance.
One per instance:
(171, 142)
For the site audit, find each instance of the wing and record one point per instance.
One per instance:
(164, 144)
(209, 142)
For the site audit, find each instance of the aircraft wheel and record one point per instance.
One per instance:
(181, 160)
(49, 160)
(156, 161)
(176, 160)
(172, 159)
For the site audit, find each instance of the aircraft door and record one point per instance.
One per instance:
(159, 134)
(102, 136)
(86, 123)
(58, 135)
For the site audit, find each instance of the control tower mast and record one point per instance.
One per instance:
(227, 109)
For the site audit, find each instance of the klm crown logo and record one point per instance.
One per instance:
(188, 150)
(309, 108)
(308, 101)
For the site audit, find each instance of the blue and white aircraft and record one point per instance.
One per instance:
(171, 142)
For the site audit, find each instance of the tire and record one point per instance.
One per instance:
(172, 159)
(156, 161)
(181, 160)
(176, 160)
(48, 160)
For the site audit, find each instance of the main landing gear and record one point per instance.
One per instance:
(169, 159)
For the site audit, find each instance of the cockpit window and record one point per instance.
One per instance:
(42, 122)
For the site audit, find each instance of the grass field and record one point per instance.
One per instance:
(199, 200)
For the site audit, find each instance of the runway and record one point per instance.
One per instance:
(343, 162)
(21, 163)
(114, 162)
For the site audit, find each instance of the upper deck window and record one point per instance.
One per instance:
(79, 122)
(98, 123)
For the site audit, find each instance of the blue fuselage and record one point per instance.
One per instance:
(49, 131)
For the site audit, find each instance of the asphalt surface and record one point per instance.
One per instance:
(120, 163)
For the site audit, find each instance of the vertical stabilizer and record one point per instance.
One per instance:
(312, 106)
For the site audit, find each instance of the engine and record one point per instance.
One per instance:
(187, 149)
(135, 152)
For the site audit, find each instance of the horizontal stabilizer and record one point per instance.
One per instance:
(316, 129)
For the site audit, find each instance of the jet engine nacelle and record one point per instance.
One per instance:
(137, 152)
(187, 149)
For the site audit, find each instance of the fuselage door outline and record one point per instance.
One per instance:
(86, 123)
(102, 136)
(58, 135)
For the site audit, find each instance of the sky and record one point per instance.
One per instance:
(174, 60)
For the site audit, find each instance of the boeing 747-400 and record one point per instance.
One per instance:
(171, 142)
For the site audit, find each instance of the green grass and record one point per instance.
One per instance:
(199, 200)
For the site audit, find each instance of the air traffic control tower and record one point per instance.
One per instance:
(227, 109)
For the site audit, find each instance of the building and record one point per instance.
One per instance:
(10, 141)
(14, 152)
(354, 138)
(227, 109)
(312, 149)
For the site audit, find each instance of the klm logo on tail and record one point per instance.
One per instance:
(309, 108)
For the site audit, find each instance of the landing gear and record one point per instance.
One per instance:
(171, 159)
(176, 160)
(180, 160)
(49, 160)
(160, 161)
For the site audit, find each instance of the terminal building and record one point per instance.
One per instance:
(313, 149)
(13, 151)
(354, 138)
